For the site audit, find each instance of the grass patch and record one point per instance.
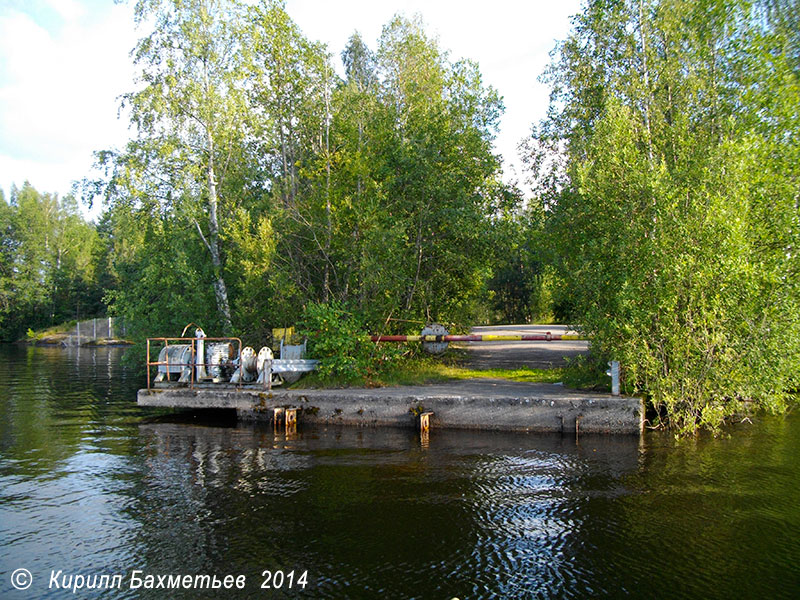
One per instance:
(523, 374)
(420, 370)
(56, 332)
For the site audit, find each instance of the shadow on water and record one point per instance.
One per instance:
(91, 484)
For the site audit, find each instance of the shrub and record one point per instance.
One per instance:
(339, 339)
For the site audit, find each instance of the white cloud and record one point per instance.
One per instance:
(58, 93)
(67, 9)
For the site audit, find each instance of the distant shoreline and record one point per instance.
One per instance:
(61, 340)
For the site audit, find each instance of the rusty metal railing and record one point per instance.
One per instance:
(192, 365)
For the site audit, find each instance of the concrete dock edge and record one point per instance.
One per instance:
(484, 404)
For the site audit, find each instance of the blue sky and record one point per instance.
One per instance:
(64, 64)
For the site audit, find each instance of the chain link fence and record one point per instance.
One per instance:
(93, 330)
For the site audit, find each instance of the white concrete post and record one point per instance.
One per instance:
(613, 372)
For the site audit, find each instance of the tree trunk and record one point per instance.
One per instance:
(328, 228)
(220, 289)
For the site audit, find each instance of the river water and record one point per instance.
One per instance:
(91, 485)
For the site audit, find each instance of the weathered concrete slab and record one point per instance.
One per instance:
(513, 355)
(475, 404)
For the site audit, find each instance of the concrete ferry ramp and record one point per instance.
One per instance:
(513, 355)
(488, 404)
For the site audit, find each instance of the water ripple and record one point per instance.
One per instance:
(88, 483)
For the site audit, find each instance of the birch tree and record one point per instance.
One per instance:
(189, 116)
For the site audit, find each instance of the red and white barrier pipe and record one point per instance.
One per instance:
(532, 337)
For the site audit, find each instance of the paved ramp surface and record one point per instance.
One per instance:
(511, 355)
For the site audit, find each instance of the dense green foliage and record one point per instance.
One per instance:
(338, 338)
(669, 165)
(521, 281)
(259, 181)
(52, 263)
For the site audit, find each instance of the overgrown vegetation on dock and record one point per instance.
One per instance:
(261, 189)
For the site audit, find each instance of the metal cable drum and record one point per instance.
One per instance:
(179, 358)
(248, 365)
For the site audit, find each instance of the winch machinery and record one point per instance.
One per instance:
(200, 360)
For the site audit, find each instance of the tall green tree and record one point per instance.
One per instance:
(7, 249)
(189, 117)
(292, 80)
(47, 262)
(665, 166)
(289, 185)
(441, 175)
(373, 198)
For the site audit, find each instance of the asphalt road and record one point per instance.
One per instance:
(510, 355)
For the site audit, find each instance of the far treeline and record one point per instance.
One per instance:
(262, 189)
